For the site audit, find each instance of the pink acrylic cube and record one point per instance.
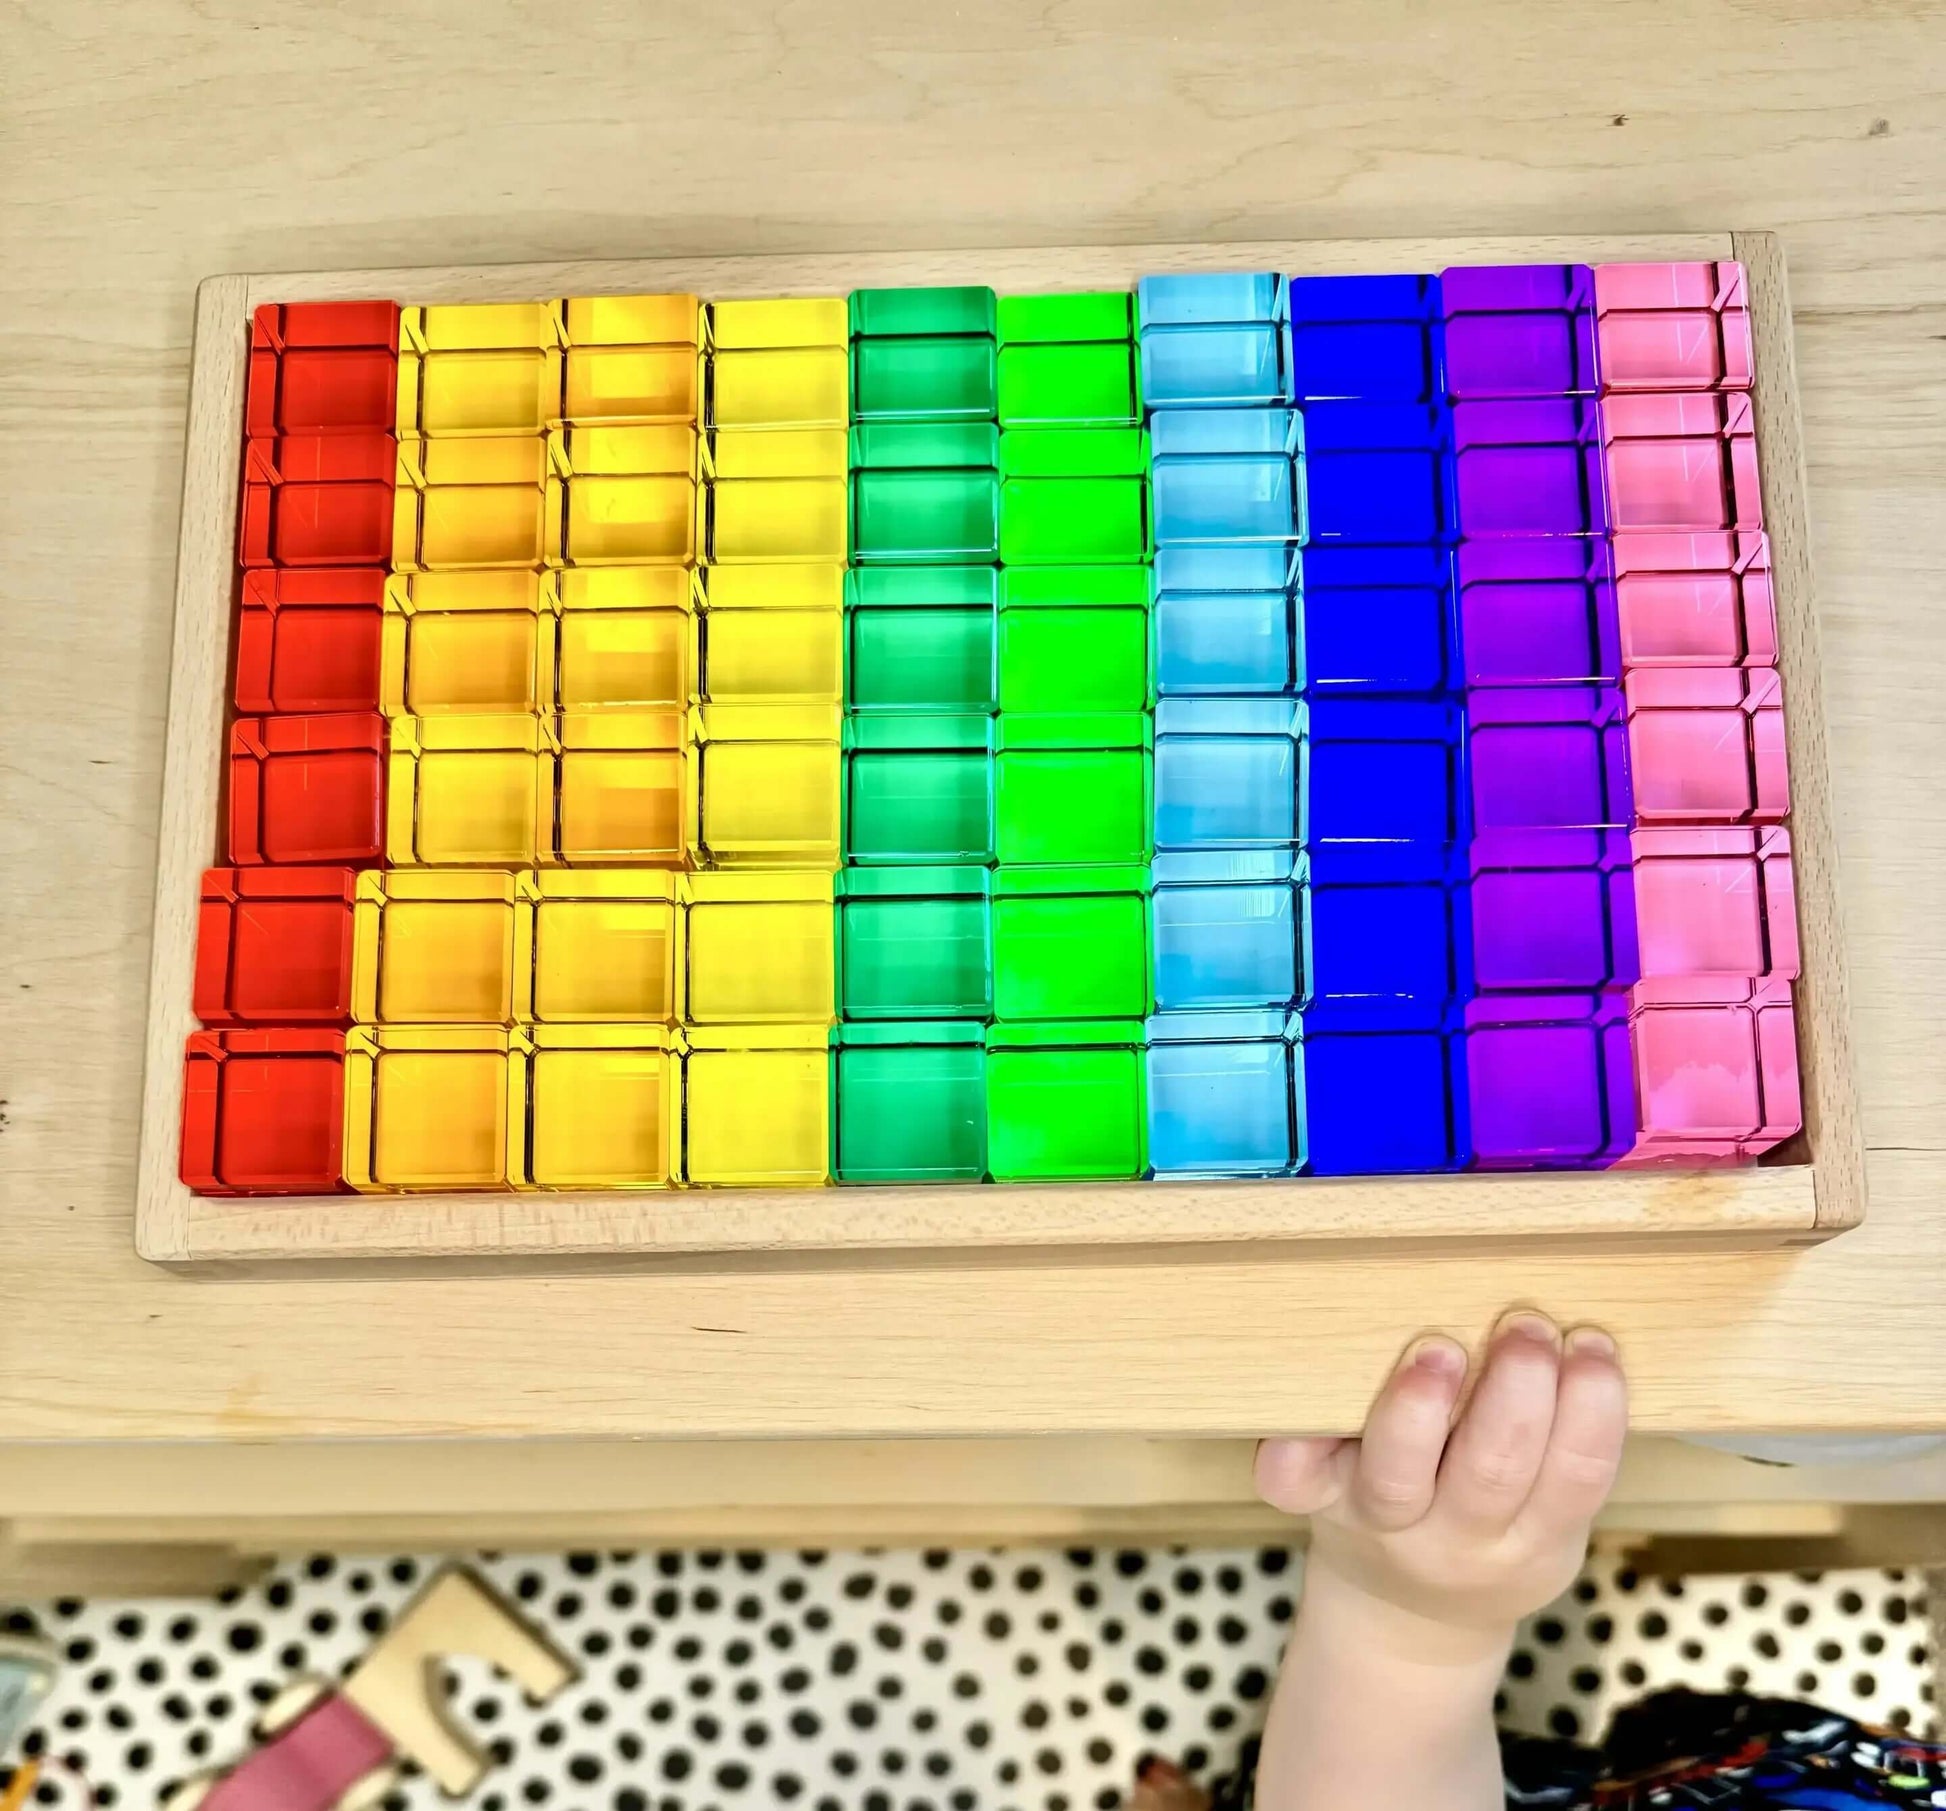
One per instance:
(1695, 600)
(1715, 913)
(1715, 1082)
(1685, 461)
(1673, 326)
(1706, 745)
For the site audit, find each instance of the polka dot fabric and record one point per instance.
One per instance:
(967, 1681)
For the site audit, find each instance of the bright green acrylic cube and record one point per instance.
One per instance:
(1074, 316)
(1071, 943)
(914, 943)
(1059, 805)
(1074, 640)
(1065, 1103)
(1074, 496)
(1091, 386)
(911, 1104)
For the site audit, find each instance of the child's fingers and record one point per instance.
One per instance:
(1398, 1458)
(1496, 1450)
(1584, 1450)
(1301, 1477)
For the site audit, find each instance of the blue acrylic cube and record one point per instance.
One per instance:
(1375, 472)
(1226, 773)
(1219, 1096)
(1223, 945)
(1374, 338)
(1380, 1102)
(1383, 956)
(1377, 619)
(1383, 799)
(1221, 475)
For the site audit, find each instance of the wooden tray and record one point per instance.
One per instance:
(1808, 1189)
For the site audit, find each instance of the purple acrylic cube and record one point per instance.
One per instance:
(1549, 772)
(1549, 1081)
(1538, 612)
(1518, 330)
(1529, 468)
(1556, 929)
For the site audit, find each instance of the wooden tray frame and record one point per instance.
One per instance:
(1810, 1188)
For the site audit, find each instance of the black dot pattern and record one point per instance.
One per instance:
(899, 1681)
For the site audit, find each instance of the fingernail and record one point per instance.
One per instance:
(1590, 1342)
(1437, 1354)
(1525, 1324)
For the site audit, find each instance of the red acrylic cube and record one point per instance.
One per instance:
(308, 638)
(1673, 326)
(308, 789)
(282, 326)
(273, 946)
(263, 1112)
(318, 500)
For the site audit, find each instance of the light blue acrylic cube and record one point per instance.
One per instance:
(1215, 340)
(1224, 944)
(1220, 1096)
(1227, 475)
(1227, 773)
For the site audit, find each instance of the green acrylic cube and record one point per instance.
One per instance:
(925, 493)
(1091, 385)
(1074, 496)
(1074, 639)
(918, 789)
(911, 1108)
(1065, 1103)
(1100, 314)
(1061, 806)
(1071, 943)
(920, 638)
(913, 943)
(923, 380)
(887, 313)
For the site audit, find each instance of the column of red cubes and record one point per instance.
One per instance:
(263, 1096)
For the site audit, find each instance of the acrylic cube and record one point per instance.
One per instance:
(1538, 612)
(1071, 805)
(1383, 956)
(914, 943)
(1074, 640)
(462, 374)
(1715, 913)
(623, 789)
(920, 639)
(472, 502)
(1682, 326)
(318, 500)
(1706, 745)
(1227, 773)
(1699, 600)
(624, 637)
(1074, 496)
(605, 1105)
(263, 1112)
(1528, 468)
(1715, 1082)
(919, 789)
(1212, 341)
(1682, 463)
(1065, 1103)
(923, 311)
(1548, 1083)
(607, 947)
(1371, 339)
(308, 639)
(1081, 385)
(1375, 474)
(1549, 767)
(440, 947)
(1225, 943)
(911, 1104)
(760, 948)
(466, 790)
(1219, 1093)
(1224, 475)
(273, 946)
(767, 779)
(320, 367)
(1378, 620)
(434, 1107)
(778, 495)
(758, 1107)
(633, 359)
(308, 789)
(780, 364)
(625, 495)
(925, 493)
(913, 378)
(1380, 1102)
(773, 635)
(1070, 943)
(1546, 928)
(468, 641)
(1519, 330)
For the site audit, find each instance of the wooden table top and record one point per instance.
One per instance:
(150, 143)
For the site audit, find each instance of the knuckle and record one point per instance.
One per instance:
(1585, 1470)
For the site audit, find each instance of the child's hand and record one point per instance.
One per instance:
(1452, 1530)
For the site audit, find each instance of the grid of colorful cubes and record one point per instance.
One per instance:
(1249, 726)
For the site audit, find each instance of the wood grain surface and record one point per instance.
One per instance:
(147, 143)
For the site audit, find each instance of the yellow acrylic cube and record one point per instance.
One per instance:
(470, 502)
(757, 1107)
(792, 387)
(759, 948)
(767, 786)
(624, 788)
(630, 494)
(779, 495)
(434, 947)
(634, 359)
(479, 368)
(625, 636)
(470, 791)
(772, 323)
(434, 1107)
(607, 947)
(773, 635)
(606, 1107)
(467, 641)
